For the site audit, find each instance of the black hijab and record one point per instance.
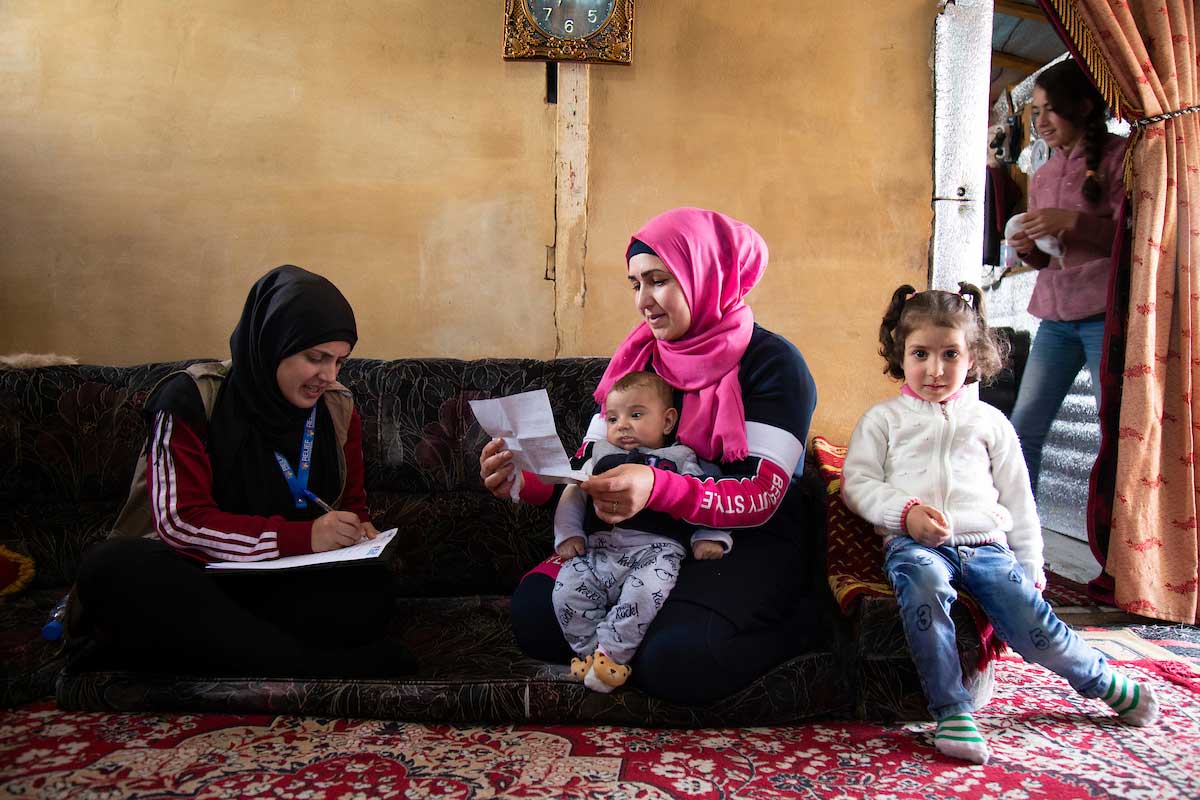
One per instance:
(287, 311)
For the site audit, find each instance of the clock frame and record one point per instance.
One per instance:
(611, 43)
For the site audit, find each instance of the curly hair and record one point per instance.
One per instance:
(910, 309)
(1074, 98)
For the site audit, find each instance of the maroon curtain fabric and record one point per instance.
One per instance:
(1143, 58)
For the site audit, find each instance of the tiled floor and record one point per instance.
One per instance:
(1069, 557)
(1073, 559)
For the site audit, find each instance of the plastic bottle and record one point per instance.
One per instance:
(52, 631)
(1008, 254)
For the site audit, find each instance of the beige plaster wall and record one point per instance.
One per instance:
(810, 123)
(156, 157)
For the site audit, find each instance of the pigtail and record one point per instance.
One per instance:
(989, 350)
(971, 295)
(889, 348)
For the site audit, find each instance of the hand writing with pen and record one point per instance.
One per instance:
(335, 529)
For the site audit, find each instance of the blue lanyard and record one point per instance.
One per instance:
(298, 481)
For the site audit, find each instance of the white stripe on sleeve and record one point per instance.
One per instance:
(775, 445)
(225, 545)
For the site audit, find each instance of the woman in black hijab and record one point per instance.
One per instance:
(240, 458)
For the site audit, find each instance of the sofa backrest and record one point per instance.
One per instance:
(421, 444)
(419, 434)
(70, 436)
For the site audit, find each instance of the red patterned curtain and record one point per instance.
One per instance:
(1142, 55)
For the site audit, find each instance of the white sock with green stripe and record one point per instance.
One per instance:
(958, 737)
(1134, 702)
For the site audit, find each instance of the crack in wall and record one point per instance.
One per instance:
(551, 268)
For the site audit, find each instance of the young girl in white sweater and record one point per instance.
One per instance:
(941, 477)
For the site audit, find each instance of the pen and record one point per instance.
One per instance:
(328, 509)
(324, 506)
(53, 630)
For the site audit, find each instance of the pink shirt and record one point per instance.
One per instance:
(1075, 285)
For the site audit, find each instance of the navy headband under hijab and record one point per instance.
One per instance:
(637, 247)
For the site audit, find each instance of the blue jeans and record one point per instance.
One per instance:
(925, 581)
(1059, 351)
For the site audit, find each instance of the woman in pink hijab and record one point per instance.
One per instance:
(746, 398)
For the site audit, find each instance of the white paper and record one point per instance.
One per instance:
(526, 424)
(367, 548)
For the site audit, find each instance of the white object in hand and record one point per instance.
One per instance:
(367, 548)
(1050, 245)
(526, 424)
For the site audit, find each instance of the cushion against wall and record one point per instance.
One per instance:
(69, 439)
(855, 551)
(855, 554)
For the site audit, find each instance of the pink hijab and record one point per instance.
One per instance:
(717, 261)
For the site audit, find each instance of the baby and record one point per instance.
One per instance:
(616, 578)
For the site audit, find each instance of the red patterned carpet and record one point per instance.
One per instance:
(1047, 743)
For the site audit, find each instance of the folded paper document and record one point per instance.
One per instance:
(526, 424)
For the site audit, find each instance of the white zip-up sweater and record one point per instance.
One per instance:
(962, 457)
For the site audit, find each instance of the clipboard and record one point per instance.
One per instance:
(365, 552)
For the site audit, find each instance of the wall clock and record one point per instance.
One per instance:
(597, 31)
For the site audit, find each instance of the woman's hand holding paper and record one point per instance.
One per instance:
(496, 468)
